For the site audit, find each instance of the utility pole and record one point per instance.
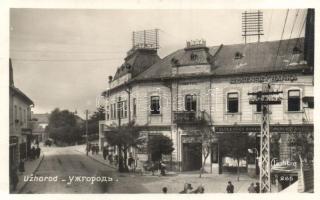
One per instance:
(87, 131)
(263, 98)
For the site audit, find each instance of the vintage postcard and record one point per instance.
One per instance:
(161, 101)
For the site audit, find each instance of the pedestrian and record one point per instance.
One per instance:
(131, 162)
(230, 187)
(97, 149)
(257, 187)
(93, 149)
(251, 188)
(32, 153)
(110, 158)
(186, 189)
(162, 167)
(116, 159)
(88, 148)
(105, 153)
(38, 151)
(164, 190)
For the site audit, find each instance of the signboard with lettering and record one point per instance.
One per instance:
(265, 78)
(307, 128)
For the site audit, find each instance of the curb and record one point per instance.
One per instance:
(97, 160)
(36, 169)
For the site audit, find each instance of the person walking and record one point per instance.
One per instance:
(251, 188)
(105, 153)
(230, 187)
(257, 187)
(38, 151)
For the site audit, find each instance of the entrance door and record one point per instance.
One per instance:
(192, 156)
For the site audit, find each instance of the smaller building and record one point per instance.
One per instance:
(20, 123)
(41, 122)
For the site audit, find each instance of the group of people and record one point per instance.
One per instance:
(34, 153)
(94, 148)
(252, 188)
(187, 189)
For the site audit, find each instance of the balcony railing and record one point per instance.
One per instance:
(186, 117)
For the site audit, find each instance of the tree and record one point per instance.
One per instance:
(63, 127)
(123, 137)
(207, 137)
(159, 145)
(235, 145)
(93, 122)
(304, 146)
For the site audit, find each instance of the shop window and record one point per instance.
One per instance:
(294, 100)
(155, 105)
(233, 103)
(191, 102)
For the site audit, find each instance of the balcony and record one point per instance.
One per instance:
(186, 117)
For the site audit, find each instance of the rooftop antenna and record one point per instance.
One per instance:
(146, 39)
(252, 24)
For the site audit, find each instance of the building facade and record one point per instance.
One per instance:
(20, 123)
(168, 95)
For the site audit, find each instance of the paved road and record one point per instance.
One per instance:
(64, 162)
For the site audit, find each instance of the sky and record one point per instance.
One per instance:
(62, 57)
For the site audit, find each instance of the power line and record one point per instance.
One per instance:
(71, 52)
(284, 26)
(293, 25)
(62, 60)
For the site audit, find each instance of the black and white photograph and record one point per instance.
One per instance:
(161, 101)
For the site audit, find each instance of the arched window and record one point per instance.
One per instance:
(190, 102)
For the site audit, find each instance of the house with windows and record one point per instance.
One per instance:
(19, 123)
(166, 96)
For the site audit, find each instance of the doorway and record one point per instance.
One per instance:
(191, 156)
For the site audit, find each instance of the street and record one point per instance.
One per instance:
(65, 162)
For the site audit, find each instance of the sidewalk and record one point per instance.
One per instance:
(30, 168)
(96, 157)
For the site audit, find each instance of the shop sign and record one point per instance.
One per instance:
(266, 78)
(191, 139)
(273, 128)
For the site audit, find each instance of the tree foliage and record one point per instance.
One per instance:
(235, 145)
(123, 137)
(64, 127)
(159, 145)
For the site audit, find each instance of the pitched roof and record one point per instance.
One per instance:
(253, 58)
(21, 95)
(137, 62)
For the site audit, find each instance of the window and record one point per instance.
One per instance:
(15, 113)
(134, 107)
(122, 109)
(114, 111)
(155, 105)
(20, 115)
(24, 116)
(293, 100)
(125, 109)
(233, 103)
(191, 102)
